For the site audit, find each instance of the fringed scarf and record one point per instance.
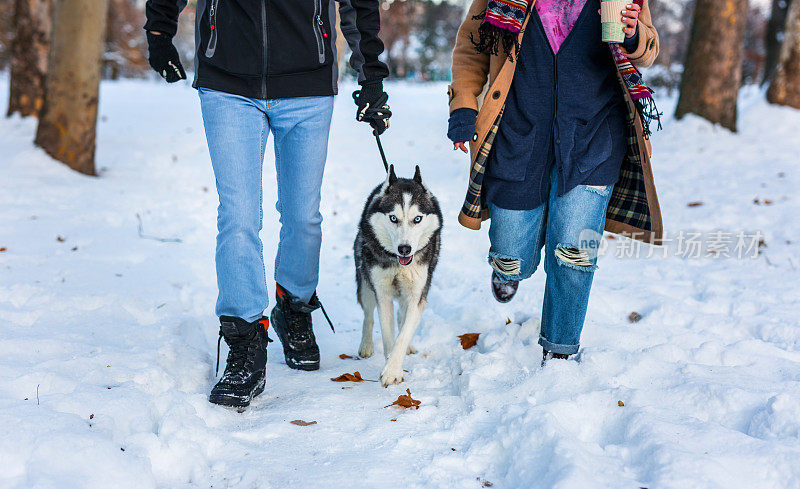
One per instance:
(502, 22)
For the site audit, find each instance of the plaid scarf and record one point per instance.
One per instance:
(502, 22)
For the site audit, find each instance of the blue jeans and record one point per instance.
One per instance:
(569, 228)
(236, 130)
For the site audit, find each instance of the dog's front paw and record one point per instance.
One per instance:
(366, 349)
(391, 376)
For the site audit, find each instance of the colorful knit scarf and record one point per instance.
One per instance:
(502, 22)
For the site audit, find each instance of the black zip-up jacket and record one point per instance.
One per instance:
(275, 48)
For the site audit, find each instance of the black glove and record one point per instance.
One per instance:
(372, 106)
(164, 57)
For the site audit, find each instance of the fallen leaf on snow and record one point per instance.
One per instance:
(60, 239)
(508, 320)
(694, 204)
(468, 340)
(344, 356)
(620, 403)
(345, 377)
(405, 401)
(300, 422)
(634, 317)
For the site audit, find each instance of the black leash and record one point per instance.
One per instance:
(380, 148)
(377, 136)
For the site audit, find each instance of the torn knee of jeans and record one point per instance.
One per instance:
(570, 256)
(506, 265)
(599, 189)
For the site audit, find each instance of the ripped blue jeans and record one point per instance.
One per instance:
(570, 229)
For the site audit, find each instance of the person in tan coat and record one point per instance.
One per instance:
(559, 145)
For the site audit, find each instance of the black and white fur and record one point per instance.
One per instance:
(396, 251)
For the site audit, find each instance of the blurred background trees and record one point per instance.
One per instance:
(732, 43)
(29, 45)
(714, 62)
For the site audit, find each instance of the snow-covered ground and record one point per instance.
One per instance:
(107, 343)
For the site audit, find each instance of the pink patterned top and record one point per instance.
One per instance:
(558, 18)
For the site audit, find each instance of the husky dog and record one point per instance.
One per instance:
(395, 251)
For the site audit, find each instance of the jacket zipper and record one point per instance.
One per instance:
(318, 30)
(212, 19)
(264, 33)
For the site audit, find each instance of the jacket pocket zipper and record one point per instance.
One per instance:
(212, 19)
(319, 34)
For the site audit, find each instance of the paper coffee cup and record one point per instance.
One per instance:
(611, 19)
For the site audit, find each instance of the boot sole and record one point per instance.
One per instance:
(305, 366)
(236, 401)
(502, 301)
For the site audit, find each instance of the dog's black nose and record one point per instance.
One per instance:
(404, 250)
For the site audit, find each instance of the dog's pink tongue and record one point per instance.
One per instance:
(404, 260)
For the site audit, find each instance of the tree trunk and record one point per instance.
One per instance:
(785, 86)
(68, 122)
(772, 43)
(29, 49)
(712, 73)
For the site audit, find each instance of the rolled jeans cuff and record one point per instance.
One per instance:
(556, 348)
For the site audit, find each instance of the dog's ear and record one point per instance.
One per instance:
(417, 175)
(392, 177)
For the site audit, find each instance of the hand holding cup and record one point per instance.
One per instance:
(619, 20)
(630, 17)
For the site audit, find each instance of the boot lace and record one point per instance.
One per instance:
(241, 355)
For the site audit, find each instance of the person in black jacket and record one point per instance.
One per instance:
(269, 66)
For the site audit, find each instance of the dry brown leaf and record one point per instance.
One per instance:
(767, 202)
(2, 249)
(345, 377)
(694, 204)
(634, 317)
(405, 401)
(608, 236)
(300, 422)
(508, 320)
(344, 356)
(620, 403)
(468, 340)
(60, 239)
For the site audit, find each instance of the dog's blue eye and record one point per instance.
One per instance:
(393, 218)
(418, 219)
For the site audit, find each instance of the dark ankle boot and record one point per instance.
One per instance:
(503, 291)
(291, 319)
(546, 355)
(246, 367)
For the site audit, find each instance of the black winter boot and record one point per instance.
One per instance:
(291, 319)
(246, 370)
(547, 355)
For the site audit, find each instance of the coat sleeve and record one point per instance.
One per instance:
(470, 68)
(647, 50)
(162, 15)
(361, 23)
